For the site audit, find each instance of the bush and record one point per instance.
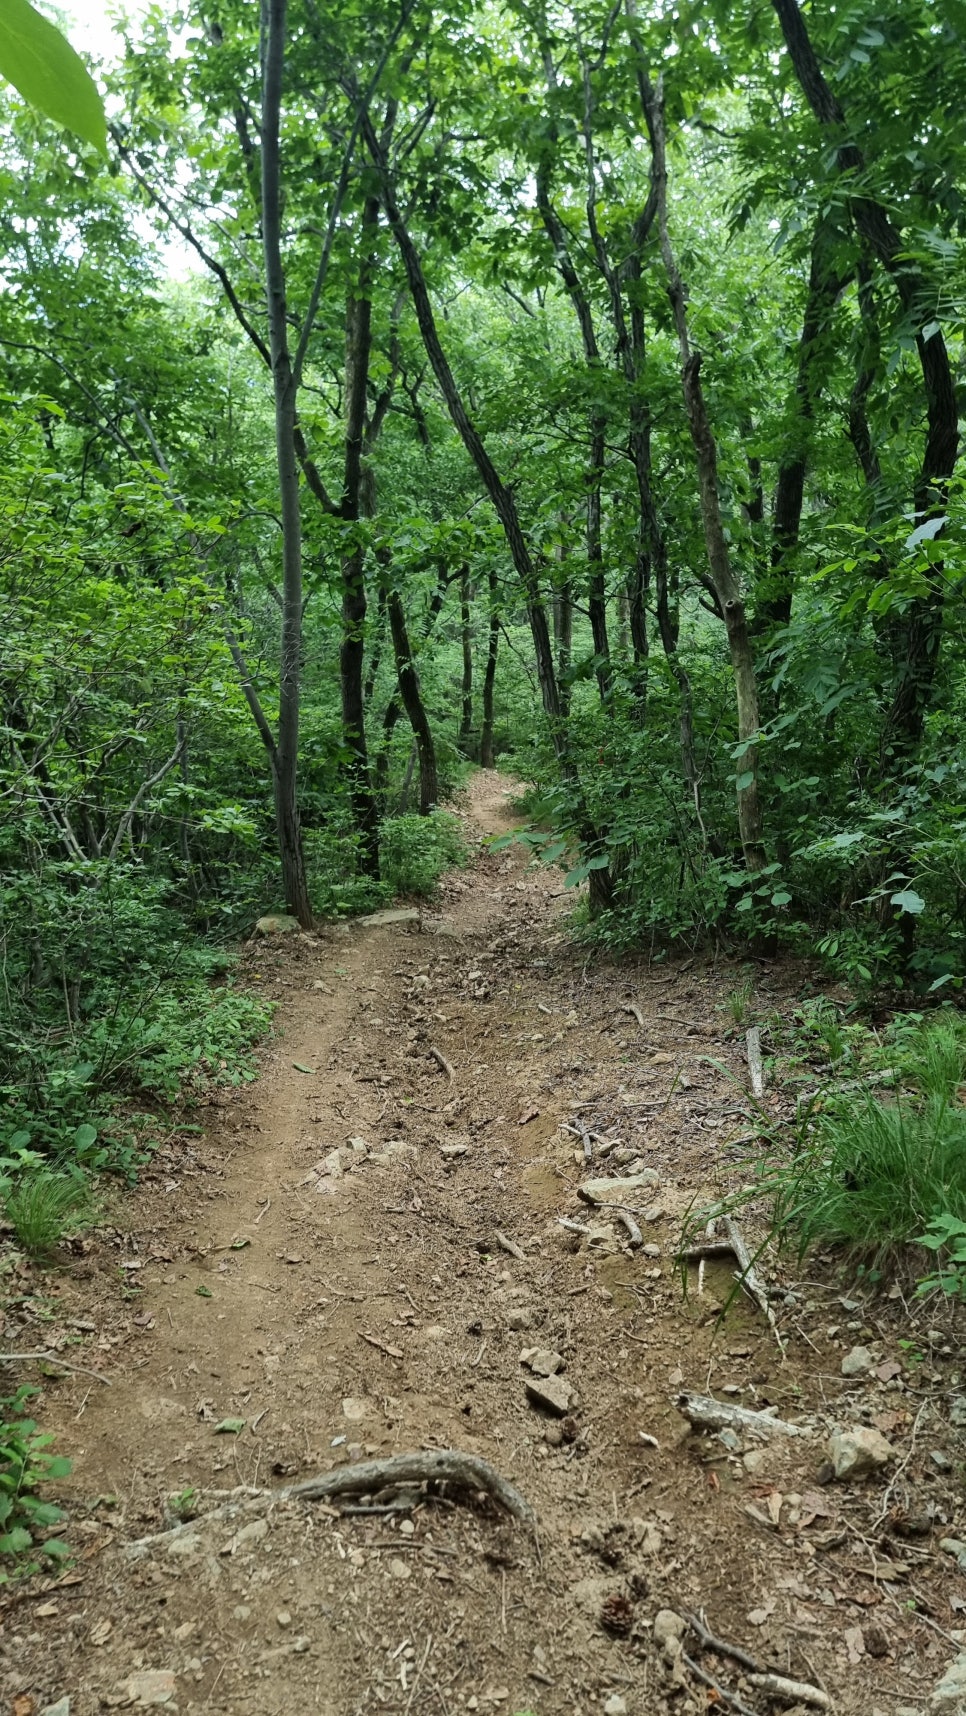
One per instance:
(24, 1465)
(415, 851)
(871, 1174)
(44, 1207)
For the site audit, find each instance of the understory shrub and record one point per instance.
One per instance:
(415, 851)
(870, 1172)
(25, 1464)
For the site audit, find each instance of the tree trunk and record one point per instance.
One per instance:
(918, 655)
(285, 758)
(722, 578)
(487, 757)
(357, 503)
(410, 692)
(466, 687)
(825, 282)
(504, 504)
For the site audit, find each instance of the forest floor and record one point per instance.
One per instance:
(385, 1307)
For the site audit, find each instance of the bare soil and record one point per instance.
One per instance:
(385, 1309)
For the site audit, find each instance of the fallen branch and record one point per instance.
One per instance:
(629, 1007)
(634, 1234)
(442, 1062)
(721, 1647)
(467, 1472)
(706, 1414)
(750, 1279)
(511, 1247)
(721, 1692)
(54, 1358)
(702, 1248)
(755, 1067)
(793, 1691)
(572, 1226)
(438, 1465)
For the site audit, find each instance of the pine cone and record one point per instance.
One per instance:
(617, 1615)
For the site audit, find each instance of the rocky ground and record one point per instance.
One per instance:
(365, 1255)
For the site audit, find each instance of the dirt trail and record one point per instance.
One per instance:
(376, 1310)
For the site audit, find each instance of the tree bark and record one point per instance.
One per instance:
(285, 756)
(466, 685)
(487, 757)
(357, 503)
(409, 691)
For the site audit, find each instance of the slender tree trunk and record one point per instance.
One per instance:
(466, 687)
(918, 654)
(409, 690)
(825, 282)
(285, 758)
(357, 502)
(722, 578)
(487, 757)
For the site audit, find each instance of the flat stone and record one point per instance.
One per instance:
(614, 1191)
(354, 1409)
(394, 915)
(61, 1708)
(855, 1452)
(152, 1685)
(451, 1151)
(668, 1629)
(954, 1547)
(276, 923)
(554, 1393)
(399, 1569)
(957, 1412)
(185, 1545)
(616, 1705)
(950, 1692)
(602, 1241)
(249, 1534)
(332, 1165)
(520, 1319)
(541, 1361)
(859, 1362)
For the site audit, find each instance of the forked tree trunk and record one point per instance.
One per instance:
(285, 757)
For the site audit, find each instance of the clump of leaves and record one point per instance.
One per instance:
(947, 1234)
(24, 1466)
(44, 1207)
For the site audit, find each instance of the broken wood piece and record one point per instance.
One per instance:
(53, 1358)
(792, 1691)
(750, 1279)
(381, 1346)
(438, 1465)
(634, 1234)
(442, 1062)
(511, 1247)
(699, 1249)
(704, 1413)
(721, 1693)
(755, 1067)
(629, 1007)
(572, 1226)
(721, 1647)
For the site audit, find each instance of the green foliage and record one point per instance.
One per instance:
(869, 1174)
(415, 851)
(43, 66)
(25, 1464)
(44, 1207)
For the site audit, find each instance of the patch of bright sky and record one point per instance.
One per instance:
(89, 25)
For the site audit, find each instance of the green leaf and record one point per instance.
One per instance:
(43, 66)
(230, 1427)
(744, 780)
(781, 897)
(85, 1136)
(204, 1292)
(908, 901)
(300, 1068)
(16, 1541)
